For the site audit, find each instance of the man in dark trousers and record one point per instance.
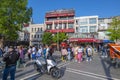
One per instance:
(10, 58)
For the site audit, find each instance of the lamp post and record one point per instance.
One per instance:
(58, 38)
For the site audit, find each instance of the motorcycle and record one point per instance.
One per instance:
(47, 66)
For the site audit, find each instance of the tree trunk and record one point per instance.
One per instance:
(1, 43)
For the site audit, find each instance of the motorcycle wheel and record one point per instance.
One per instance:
(56, 73)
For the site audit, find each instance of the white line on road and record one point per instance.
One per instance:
(29, 76)
(85, 74)
(64, 64)
(89, 73)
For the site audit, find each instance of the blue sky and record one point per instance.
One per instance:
(102, 8)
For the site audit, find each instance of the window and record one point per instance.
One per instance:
(64, 26)
(101, 20)
(38, 36)
(49, 26)
(92, 21)
(70, 17)
(38, 29)
(51, 19)
(92, 28)
(60, 26)
(70, 25)
(63, 18)
(56, 26)
(83, 29)
(83, 21)
(76, 22)
(32, 36)
(76, 29)
(32, 29)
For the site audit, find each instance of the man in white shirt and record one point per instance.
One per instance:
(89, 50)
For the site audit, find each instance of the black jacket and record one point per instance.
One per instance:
(11, 58)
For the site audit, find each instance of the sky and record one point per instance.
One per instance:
(102, 8)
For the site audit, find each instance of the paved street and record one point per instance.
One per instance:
(98, 69)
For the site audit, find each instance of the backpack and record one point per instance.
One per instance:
(89, 51)
(11, 59)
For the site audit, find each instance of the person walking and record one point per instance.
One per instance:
(29, 53)
(39, 52)
(51, 51)
(89, 51)
(10, 58)
(1, 52)
(44, 52)
(34, 53)
(76, 53)
(64, 54)
(69, 53)
(104, 51)
(80, 54)
(21, 59)
(47, 51)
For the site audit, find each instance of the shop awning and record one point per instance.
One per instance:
(82, 40)
(107, 41)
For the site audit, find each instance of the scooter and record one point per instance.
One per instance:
(48, 66)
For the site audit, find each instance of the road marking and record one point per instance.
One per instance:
(29, 76)
(64, 64)
(61, 65)
(85, 74)
(90, 74)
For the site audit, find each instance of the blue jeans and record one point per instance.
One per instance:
(11, 70)
(69, 56)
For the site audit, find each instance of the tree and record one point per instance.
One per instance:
(59, 37)
(114, 29)
(13, 13)
(47, 38)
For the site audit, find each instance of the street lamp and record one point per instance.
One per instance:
(58, 38)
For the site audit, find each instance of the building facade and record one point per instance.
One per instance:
(86, 26)
(60, 21)
(103, 25)
(36, 31)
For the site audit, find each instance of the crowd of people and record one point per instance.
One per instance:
(76, 53)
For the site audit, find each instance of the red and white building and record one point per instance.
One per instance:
(60, 21)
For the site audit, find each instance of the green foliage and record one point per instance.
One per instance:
(13, 13)
(59, 37)
(47, 38)
(114, 29)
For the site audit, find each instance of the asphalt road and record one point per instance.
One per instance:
(97, 69)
